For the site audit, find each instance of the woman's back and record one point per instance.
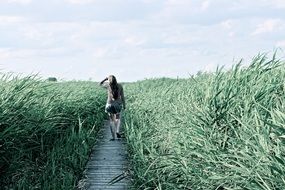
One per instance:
(115, 96)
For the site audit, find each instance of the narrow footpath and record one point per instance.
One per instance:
(108, 164)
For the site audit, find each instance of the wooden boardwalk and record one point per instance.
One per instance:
(108, 164)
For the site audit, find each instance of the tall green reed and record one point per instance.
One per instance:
(46, 131)
(221, 130)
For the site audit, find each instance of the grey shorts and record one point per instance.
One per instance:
(113, 108)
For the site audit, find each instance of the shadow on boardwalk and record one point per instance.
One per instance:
(108, 164)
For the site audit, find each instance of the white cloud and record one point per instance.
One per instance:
(100, 52)
(227, 24)
(231, 26)
(276, 3)
(205, 5)
(178, 36)
(210, 67)
(281, 44)
(9, 53)
(24, 53)
(4, 53)
(177, 3)
(231, 34)
(182, 35)
(150, 1)
(18, 1)
(134, 40)
(33, 33)
(82, 1)
(10, 19)
(52, 34)
(267, 26)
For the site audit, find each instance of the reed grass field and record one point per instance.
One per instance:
(47, 130)
(214, 131)
(223, 130)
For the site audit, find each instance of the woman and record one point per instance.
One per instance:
(115, 102)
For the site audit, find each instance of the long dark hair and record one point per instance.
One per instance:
(113, 86)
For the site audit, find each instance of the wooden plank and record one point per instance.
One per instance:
(108, 163)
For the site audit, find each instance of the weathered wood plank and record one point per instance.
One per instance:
(108, 164)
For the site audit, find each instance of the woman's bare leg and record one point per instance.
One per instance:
(113, 126)
(118, 124)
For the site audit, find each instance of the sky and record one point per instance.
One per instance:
(135, 39)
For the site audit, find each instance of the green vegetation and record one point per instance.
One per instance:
(222, 130)
(46, 131)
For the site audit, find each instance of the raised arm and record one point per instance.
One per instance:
(102, 82)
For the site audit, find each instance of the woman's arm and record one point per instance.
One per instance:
(101, 83)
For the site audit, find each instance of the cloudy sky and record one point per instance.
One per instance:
(135, 39)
